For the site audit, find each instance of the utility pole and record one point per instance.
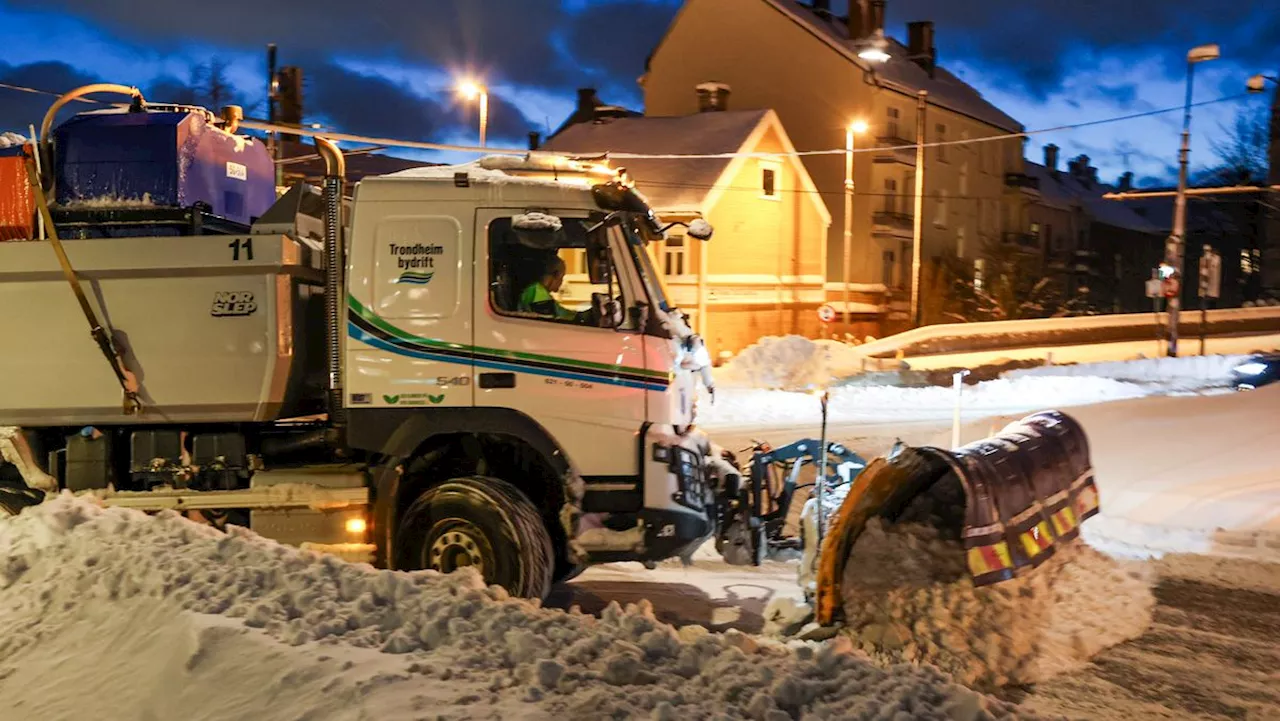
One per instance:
(273, 92)
(917, 233)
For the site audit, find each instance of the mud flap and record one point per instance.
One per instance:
(1025, 491)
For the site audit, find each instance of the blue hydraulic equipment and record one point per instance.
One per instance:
(755, 518)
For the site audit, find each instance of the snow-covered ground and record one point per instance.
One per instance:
(112, 614)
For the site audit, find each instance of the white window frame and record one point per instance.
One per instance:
(672, 253)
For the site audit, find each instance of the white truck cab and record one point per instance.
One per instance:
(597, 401)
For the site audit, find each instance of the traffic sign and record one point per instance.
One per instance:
(1154, 288)
(826, 313)
(1172, 286)
(1210, 273)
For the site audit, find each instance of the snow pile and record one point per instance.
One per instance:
(789, 363)
(76, 578)
(742, 407)
(1184, 373)
(908, 597)
(10, 140)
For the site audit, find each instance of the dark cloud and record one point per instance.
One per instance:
(613, 39)
(366, 104)
(1036, 43)
(511, 40)
(19, 109)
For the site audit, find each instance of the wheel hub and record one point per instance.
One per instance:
(454, 549)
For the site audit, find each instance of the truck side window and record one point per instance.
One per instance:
(519, 275)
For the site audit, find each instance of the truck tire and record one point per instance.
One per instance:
(14, 498)
(479, 521)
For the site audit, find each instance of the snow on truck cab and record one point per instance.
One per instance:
(370, 385)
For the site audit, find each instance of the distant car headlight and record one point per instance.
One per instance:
(1252, 368)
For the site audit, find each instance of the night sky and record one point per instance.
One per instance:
(386, 67)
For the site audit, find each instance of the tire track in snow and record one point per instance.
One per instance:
(1212, 652)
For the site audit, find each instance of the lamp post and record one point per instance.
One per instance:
(470, 90)
(917, 225)
(855, 128)
(1176, 242)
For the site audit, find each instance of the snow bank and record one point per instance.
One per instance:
(789, 363)
(84, 578)
(735, 407)
(908, 597)
(1184, 373)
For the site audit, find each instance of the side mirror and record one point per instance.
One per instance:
(598, 268)
(538, 230)
(607, 312)
(701, 229)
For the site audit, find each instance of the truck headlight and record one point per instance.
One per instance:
(1252, 368)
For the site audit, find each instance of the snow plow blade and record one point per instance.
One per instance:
(1024, 491)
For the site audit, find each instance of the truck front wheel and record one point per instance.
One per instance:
(483, 523)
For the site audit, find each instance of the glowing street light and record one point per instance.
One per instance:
(470, 90)
(876, 49)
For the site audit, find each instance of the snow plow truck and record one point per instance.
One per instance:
(393, 375)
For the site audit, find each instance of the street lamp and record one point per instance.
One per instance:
(470, 90)
(1176, 241)
(857, 127)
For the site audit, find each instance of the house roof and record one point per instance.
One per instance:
(673, 185)
(1061, 189)
(898, 73)
(359, 165)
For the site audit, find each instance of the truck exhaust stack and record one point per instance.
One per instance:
(334, 263)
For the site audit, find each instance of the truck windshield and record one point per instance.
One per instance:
(644, 265)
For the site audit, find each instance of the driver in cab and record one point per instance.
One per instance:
(537, 298)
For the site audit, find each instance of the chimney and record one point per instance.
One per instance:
(587, 102)
(713, 97)
(535, 140)
(859, 19)
(1126, 182)
(877, 17)
(920, 46)
(1051, 157)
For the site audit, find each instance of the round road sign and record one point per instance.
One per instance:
(1171, 287)
(826, 313)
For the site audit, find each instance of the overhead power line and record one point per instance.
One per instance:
(263, 126)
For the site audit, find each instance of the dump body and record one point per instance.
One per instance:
(215, 327)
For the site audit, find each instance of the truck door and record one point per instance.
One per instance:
(585, 384)
(409, 330)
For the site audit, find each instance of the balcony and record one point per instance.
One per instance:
(1027, 241)
(1023, 182)
(895, 150)
(885, 223)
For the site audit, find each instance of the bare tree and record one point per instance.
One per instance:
(1242, 147)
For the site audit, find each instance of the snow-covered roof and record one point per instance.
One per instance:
(945, 89)
(1062, 190)
(503, 170)
(671, 185)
